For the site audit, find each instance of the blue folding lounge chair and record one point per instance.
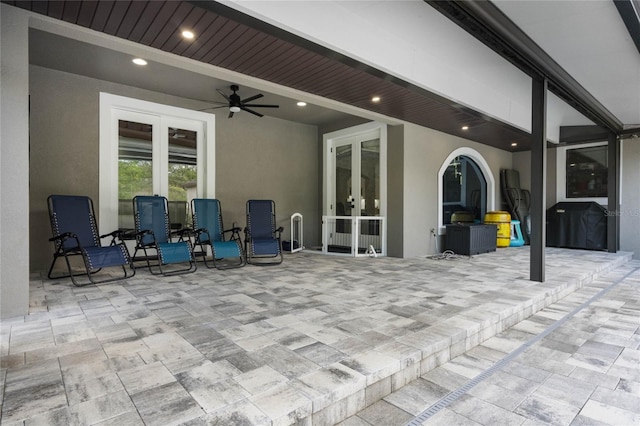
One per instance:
(75, 234)
(209, 231)
(263, 245)
(153, 231)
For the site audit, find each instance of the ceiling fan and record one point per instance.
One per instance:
(236, 104)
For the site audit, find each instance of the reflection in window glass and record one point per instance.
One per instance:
(587, 172)
(463, 191)
(183, 175)
(344, 197)
(135, 174)
(370, 178)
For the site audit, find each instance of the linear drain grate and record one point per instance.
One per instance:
(454, 395)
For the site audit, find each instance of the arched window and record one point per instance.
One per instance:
(466, 188)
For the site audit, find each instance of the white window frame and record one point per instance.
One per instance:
(486, 172)
(114, 108)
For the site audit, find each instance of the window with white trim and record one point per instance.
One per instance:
(153, 149)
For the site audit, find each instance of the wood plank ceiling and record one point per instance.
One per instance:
(229, 39)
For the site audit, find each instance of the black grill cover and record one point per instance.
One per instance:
(580, 225)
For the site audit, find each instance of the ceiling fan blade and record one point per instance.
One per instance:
(250, 111)
(262, 106)
(214, 107)
(224, 95)
(252, 98)
(209, 101)
(230, 114)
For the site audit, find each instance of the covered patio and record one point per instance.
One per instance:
(314, 340)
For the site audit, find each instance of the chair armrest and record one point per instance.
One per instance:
(279, 231)
(63, 236)
(118, 234)
(183, 231)
(235, 230)
(126, 233)
(199, 233)
(112, 234)
(142, 233)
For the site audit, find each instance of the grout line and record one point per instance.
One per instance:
(457, 393)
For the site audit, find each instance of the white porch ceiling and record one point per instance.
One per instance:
(590, 41)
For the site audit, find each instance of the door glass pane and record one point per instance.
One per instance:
(370, 178)
(183, 175)
(344, 197)
(134, 167)
(464, 191)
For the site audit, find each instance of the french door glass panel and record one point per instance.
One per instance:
(344, 202)
(159, 155)
(182, 174)
(356, 184)
(370, 177)
(136, 160)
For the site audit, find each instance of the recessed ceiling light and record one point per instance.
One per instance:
(514, 143)
(375, 99)
(188, 34)
(465, 127)
(139, 61)
(301, 104)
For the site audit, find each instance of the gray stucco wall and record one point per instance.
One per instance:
(425, 150)
(395, 192)
(255, 157)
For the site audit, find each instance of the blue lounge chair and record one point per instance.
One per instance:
(209, 231)
(75, 234)
(263, 245)
(153, 232)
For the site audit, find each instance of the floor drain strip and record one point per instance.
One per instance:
(454, 395)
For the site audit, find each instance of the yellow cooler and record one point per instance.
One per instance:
(502, 220)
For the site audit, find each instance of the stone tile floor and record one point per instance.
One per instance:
(585, 371)
(317, 340)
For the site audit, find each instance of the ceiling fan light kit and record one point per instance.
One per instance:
(236, 104)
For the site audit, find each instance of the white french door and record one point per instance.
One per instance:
(355, 187)
(152, 149)
(356, 183)
(355, 176)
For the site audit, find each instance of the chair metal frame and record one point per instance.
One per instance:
(152, 231)
(261, 233)
(74, 237)
(209, 231)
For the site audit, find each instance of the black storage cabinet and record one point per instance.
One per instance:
(581, 225)
(471, 238)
